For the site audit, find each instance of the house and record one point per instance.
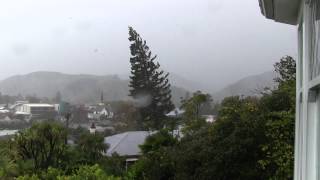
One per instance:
(100, 112)
(92, 129)
(305, 15)
(6, 132)
(22, 116)
(16, 107)
(176, 113)
(21, 102)
(3, 106)
(126, 144)
(5, 113)
(4, 110)
(209, 118)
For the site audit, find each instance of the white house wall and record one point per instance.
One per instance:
(307, 103)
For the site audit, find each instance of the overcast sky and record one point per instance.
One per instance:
(212, 41)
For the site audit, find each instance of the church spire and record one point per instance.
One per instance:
(101, 98)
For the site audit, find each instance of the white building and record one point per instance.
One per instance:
(92, 129)
(209, 118)
(177, 112)
(44, 111)
(100, 112)
(305, 14)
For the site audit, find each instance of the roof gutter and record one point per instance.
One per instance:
(283, 11)
(267, 9)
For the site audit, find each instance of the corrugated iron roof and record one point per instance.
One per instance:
(126, 144)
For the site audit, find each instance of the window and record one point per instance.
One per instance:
(311, 133)
(314, 38)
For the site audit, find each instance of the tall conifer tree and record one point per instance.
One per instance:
(149, 85)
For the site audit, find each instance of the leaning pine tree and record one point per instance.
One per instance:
(149, 85)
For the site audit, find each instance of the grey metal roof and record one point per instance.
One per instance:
(126, 144)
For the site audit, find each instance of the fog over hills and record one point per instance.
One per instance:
(84, 88)
(80, 88)
(248, 86)
(198, 39)
(182, 82)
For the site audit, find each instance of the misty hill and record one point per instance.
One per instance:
(74, 88)
(180, 81)
(248, 86)
(188, 84)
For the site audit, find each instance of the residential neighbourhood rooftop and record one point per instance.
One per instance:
(39, 105)
(230, 117)
(175, 112)
(126, 144)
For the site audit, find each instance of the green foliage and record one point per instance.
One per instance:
(149, 85)
(7, 167)
(195, 105)
(237, 136)
(27, 177)
(158, 166)
(227, 149)
(157, 141)
(84, 172)
(114, 165)
(89, 173)
(278, 108)
(191, 154)
(92, 147)
(40, 152)
(252, 138)
(279, 151)
(286, 69)
(157, 161)
(126, 116)
(43, 144)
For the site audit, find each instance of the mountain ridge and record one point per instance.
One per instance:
(87, 88)
(247, 86)
(75, 88)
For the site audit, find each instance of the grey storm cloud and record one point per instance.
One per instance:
(210, 41)
(20, 49)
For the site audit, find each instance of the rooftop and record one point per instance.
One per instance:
(126, 144)
(175, 112)
(39, 105)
